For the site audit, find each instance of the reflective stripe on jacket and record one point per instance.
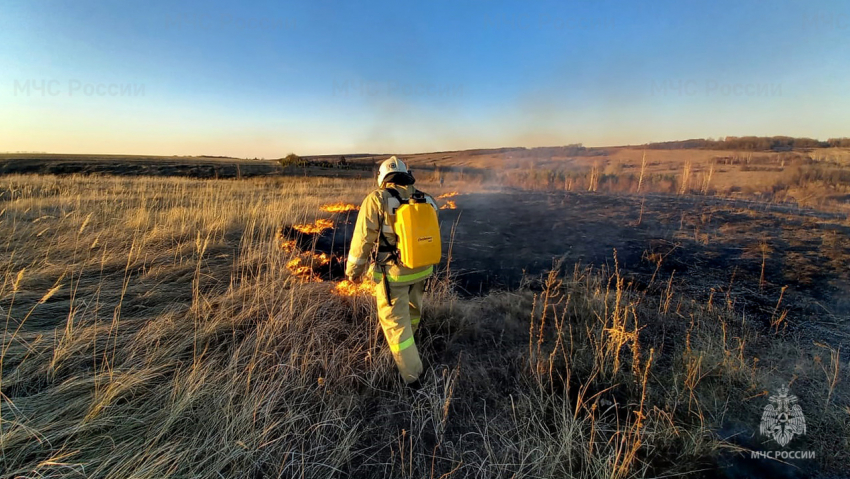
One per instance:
(377, 213)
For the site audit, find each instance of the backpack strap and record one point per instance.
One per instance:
(395, 194)
(385, 246)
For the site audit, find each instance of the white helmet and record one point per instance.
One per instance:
(390, 165)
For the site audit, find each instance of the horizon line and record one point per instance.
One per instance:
(630, 145)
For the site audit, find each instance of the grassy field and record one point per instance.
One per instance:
(811, 177)
(815, 177)
(155, 327)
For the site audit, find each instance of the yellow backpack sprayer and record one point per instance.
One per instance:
(418, 231)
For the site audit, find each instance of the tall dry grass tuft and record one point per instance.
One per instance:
(685, 185)
(642, 171)
(706, 183)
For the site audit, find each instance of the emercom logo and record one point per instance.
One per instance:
(781, 420)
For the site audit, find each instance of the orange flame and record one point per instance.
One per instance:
(347, 288)
(298, 269)
(288, 246)
(450, 205)
(304, 268)
(320, 225)
(339, 207)
(448, 195)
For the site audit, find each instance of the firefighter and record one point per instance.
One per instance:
(398, 289)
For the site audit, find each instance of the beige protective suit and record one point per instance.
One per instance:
(400, 319)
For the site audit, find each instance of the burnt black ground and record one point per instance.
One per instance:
(711, 247)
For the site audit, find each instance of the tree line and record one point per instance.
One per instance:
(751, 143)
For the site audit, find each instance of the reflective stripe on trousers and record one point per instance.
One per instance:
(378, 276)
(399, 322)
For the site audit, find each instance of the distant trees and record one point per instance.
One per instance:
(291, 160)
(750, 143)
(839, 142)
(330, 162)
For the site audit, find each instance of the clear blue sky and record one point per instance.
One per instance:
(268, 77)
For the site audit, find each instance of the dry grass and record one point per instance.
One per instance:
(153, 330)
(815, 178)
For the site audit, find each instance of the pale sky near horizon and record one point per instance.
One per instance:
(265, 78)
